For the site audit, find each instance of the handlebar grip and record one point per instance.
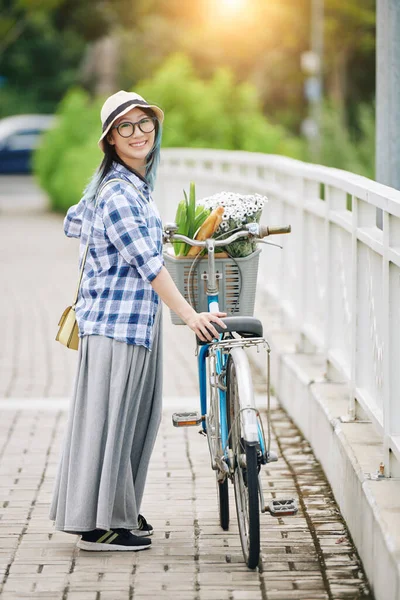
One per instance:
(264, 230)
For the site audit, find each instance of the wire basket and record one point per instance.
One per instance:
(236, 282)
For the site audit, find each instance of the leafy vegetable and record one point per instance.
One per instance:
(189, 218)
(181, 221)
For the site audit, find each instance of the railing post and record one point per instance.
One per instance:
(311, 196)
(386, 347)
(391, 345)
(354, 303)
(301, 257)
(335, 199)
(329, 199)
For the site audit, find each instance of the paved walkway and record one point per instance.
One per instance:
(306, 557)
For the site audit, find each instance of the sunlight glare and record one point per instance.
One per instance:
(232, 5)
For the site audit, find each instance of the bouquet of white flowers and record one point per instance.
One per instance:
(239, 209)
(217, 216)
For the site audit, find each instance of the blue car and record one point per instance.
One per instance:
(19, 136)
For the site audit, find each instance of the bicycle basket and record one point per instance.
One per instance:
(237, 282)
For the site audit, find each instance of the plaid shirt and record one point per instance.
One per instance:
(124, 256)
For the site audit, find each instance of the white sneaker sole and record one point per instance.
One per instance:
(141, 533)
(102, 547)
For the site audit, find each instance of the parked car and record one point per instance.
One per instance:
(19, 136)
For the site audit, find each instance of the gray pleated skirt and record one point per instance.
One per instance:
(112, 427)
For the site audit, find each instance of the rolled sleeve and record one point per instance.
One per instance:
(127, 230)
(73, 220)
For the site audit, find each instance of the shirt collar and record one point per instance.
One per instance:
(133, 176)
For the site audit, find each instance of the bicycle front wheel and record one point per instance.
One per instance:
(245, 478)
(223, 503)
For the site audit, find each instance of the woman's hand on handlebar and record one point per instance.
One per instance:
(201, 324)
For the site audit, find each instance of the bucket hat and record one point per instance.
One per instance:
(119, 104)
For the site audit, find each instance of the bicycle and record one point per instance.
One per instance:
(229, 417)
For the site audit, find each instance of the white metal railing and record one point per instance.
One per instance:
(338, 277)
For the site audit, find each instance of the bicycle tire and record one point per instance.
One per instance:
(223, 503)
(245, 478)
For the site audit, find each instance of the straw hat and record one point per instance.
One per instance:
(119, 104)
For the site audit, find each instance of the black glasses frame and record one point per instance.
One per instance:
(154, 119)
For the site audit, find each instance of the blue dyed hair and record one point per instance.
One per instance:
(110, 156)
(153, 158)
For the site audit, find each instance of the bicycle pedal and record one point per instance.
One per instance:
(271, 456)
(282, 508)
(186, 419)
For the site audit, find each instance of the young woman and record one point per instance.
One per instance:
(116, 405)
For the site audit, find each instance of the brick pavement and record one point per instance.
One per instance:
(309, 556)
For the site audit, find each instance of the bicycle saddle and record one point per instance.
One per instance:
(244, 326)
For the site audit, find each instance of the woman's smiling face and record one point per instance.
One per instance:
(134, 149)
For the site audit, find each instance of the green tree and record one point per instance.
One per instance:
(349, 55)
(199, 114)
(261, 44)
(344, 149)
(43, 43)
(217, 112)
(69, 154)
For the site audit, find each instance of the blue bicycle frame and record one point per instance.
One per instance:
(221, 361)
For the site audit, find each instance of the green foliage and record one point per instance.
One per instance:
(349, 55)
(69, 153)
(344, 150)
(42, 44)
(38, 66)
(199, 113)
(213, 113)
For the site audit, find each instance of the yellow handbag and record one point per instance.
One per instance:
(68, 329)
(68, 332)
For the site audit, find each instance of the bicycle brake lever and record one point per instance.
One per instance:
(169, 229)
(253, 229)
(269, 244)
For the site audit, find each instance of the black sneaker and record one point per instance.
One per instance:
(122, 540)
(144, 528)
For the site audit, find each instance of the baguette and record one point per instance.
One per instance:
(208, 228)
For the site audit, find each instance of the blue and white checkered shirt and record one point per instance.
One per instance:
(124, 256)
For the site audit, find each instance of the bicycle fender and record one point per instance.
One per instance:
(248, 412)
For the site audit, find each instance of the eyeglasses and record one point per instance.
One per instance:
(126, 129)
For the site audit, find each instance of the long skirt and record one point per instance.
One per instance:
(112, 427)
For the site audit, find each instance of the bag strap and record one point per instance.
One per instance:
(91, 229)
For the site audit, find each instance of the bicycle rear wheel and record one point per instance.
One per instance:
(245, 479)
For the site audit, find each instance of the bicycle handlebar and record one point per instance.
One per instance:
(252, 230)
(202, 244)
(264, 231)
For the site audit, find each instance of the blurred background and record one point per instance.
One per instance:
(291, 77)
